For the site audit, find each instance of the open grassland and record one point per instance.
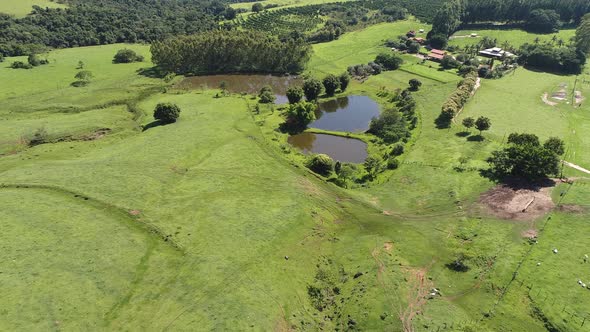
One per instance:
(514, 37)
(186, 226)
(21, 8)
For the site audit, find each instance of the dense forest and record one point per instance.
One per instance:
(97, 22)
(91, 22)
(531, 13)
(230, 52)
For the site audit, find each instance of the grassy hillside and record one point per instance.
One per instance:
(21, 8)
(208, 224)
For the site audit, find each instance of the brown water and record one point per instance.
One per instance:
(350, 114)
(237, 83)
(343, 149)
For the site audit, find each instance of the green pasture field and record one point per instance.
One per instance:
(21, 8)
(515, 37)
(208, 224)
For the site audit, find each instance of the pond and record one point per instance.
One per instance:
(344, 149)
(350, 114)
(238, 83)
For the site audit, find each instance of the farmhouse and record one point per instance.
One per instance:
(495, 52)
(436, 55)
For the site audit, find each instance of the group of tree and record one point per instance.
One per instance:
(230, 52)
(395, 123)
(457, 100)
(535, 15)
(549, 57)
(299, 115)
(382, 62)
(482, 123)
(90, 22)
(403, 43)
(525, 157)
(32, 61)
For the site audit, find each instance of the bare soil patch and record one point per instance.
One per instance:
(518, 201)
(530, 233)
(388, 246)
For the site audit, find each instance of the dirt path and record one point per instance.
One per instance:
(574, 166)
(419, 286)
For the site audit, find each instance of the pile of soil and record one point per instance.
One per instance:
(516, 201)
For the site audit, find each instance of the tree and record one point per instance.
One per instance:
(34, 60)
(468, 123)
(415, 84)
(294, 94)
(448, 62)
(390, 126)
(331, 84)
(266, 95)
(20, 65)
(438, 41)
(127, 56)
(257, 7)
(166, 113)
(321, 164)
(372, 166)
(583, 35)
(397, 150)
(543, 20)
(524, 159)
(83, 78)
(312, 88)
(482, 124)
(413, 47)
(522, 139)
(556, 145)
(344, 81)
(301, 114)
(81, 65)
(389, 61)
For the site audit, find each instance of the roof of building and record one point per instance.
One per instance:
(495, 52)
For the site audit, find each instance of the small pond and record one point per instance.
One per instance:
(350, 114)
(238, 83)
(344, 149)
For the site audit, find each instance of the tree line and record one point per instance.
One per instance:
(234, 51)
(536, 15)
(90, 22)
(457, 100)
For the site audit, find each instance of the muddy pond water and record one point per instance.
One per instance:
(344, 149)
(349, 114)
(237, 83)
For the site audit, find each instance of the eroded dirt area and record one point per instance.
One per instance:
(515, 201)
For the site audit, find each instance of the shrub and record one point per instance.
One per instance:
(127, 56)
(294, 94)
(389, 61)
(266, 95)
(392, 163)
(415, 84)
(397, 150)
(40, 136)
(331, 84)
(83, 78)
(301, 114)
(166, 113)
(344, 79)
(1, 57)
(35, 61)
(321, 164)
(257, 7)
(312, 88)
(20, 65)
(448, 62)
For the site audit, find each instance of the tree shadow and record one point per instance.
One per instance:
(152, 72)
(153, 124)
(291, 128)
(79, 84)
(463, 134)
(475, 138)
(442, 122)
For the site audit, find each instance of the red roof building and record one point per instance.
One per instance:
(436, 54)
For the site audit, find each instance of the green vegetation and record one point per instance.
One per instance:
(234, 52)
(127, 56)
(216, 223)
(166, 113)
